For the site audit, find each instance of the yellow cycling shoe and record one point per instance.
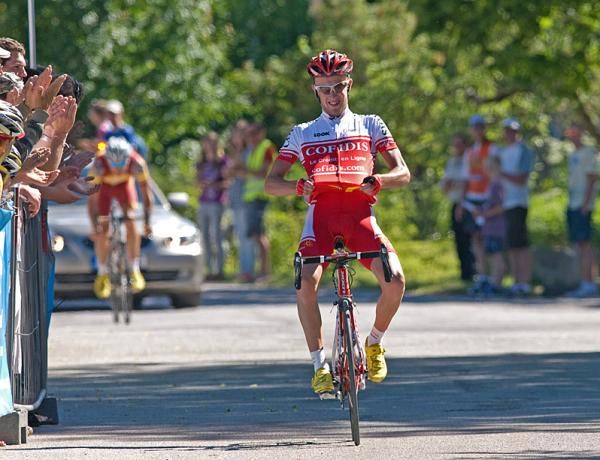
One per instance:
(138, 283)
(376, 362)
(322, 381)
(102, 286)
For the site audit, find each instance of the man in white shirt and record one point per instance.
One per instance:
(516, 161)
(453, 184)
(583, 172)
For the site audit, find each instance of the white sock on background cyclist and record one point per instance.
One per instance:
(102, 269)
(375, 336)
(318, 359)
(135, 265)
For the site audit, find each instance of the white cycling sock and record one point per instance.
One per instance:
(318, 359)
(102, 269)
(134, 265)
(375, 336)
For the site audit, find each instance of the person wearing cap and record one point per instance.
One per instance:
(115, 112)
(517, 162)
(4, 54)
(475, 195)
(98, 116)
(583, 175)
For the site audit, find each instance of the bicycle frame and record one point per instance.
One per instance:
(119, 273)
(348, 361)
(346, 308)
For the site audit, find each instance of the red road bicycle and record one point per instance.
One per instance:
(349, 366)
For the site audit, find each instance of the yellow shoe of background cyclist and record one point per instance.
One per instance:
(322, 381)
(138, 283)
(102, 286)
(375, 362)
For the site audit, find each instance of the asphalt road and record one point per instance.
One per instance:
(231, 379)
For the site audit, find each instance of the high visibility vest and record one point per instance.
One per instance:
(478, 178)
(255, 187)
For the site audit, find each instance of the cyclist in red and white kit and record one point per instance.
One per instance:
(338, 151)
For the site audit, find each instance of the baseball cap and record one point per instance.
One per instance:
(511, 123)
(476, 120)
(4, 54)
(114, 106)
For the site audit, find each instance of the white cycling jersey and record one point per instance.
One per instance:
(338, 152)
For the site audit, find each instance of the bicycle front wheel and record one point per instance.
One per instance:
(115, 280)
(351, 361)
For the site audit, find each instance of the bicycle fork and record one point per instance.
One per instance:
(345, 306)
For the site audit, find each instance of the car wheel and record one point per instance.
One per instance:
(186, 300)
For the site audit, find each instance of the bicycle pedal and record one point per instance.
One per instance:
(332, 395)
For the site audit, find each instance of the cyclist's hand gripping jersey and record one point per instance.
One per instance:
(338, 153)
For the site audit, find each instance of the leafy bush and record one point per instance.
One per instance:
(546, 220)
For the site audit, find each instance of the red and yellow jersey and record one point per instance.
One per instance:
(105, 173)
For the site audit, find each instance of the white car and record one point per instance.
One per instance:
(171, 260)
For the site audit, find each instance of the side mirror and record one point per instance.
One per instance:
(179, 199)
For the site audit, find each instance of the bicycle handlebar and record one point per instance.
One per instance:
(341, 258)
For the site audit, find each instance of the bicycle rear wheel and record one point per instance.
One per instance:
(126, 298)
(351, 361)
(125, 293)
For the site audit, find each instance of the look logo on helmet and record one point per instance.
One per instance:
(329, 63)
(118, 152)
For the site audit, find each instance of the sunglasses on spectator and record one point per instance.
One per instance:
(4, 137)
(336, 89)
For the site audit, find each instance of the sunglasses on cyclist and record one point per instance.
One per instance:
(338, 88)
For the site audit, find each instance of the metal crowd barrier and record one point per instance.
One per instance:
(28, 319)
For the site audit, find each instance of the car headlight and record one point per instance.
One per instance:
(175, 241)
(58, 243)
(170, 242)
(190, 239)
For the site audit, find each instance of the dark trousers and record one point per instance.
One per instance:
(462, 241)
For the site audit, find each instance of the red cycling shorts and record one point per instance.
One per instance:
(124, 193)
(345, 214)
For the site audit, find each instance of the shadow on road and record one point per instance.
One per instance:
(265, 405)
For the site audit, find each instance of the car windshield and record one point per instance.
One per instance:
(158, 198)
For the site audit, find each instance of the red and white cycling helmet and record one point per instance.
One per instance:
(328, 63)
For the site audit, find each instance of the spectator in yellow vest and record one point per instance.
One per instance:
(258, 164)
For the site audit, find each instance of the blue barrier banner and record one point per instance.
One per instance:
(6, 402)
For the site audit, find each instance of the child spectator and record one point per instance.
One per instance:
(491, 216)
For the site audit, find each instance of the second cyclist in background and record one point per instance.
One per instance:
(117, 167)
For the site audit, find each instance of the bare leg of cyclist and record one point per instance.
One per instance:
(138, 283)
(387, 306)
(101, 245)
(133, 245)
(391, 293)
(310, 318)
(308, 306)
